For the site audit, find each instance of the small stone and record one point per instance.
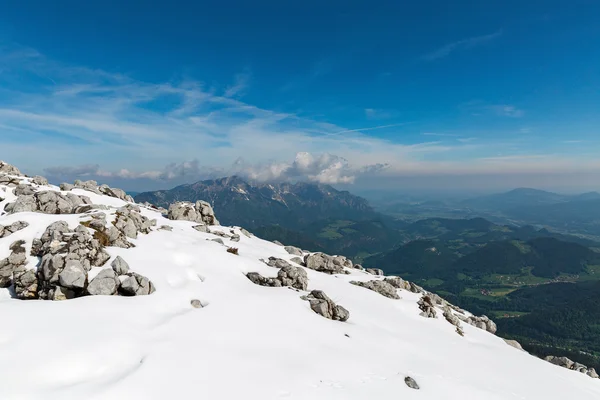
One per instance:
(411, 383)
(120, 266)
(196, 303)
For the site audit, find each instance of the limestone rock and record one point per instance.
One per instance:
(105, 283)
(40, 180)
(411, 383)
(381, 287)
(323, 263)
(514, 344)
(8, 230)
(25, 283)
(136, 285)
(66, 187)
(7, 169)
(200, 212)
(297, 260)
(73, 276)
(120, 266)
(375, 271)
(277, 262)
(427, 307)
(293, 250)
(324, 306)
(290, 276)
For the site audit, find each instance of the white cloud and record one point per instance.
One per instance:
(372, 113)
(468, 43)
(241, 83)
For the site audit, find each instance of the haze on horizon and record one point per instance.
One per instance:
(367, 96)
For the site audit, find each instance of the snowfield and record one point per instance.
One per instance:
(247, 341)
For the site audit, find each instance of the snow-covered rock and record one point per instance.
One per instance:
(207, 331)
(200, 212)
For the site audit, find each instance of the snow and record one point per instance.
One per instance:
(249, 341)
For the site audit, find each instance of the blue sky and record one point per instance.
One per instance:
(149, 94)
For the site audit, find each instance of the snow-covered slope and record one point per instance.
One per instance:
(246, 341)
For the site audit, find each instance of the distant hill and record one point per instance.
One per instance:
(288, 205)
(520, 197)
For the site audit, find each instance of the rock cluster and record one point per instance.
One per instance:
(92, 186)
(127, 224)
(324, 263)
(287, 276)
(324, 306)
(427, 307)
(200, 212)
(49, 202)
(482, 322)
(400, 283)
(375, 271)
(66, 258)
(575, 366)
(382, 287)
(8, 230)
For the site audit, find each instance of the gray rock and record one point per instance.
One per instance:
(23, 189)
(60, 293)
(105, 283)
(381, 287)
(168, 228)
(324, 306)
(342, 262)
(66, 187)
(201, 228)
(427, 307)
(90, 186)
(200, 212)
(235, 237)
(47, 202)
(25, 283)
(359, 267)
(560, 361)
(293, 276)
(7, 169)
(277, 242)
(136, 285)
(514, 344)
(450, 317)
(40, 180)
(8, 230)
(246, 233)
(120, 266)
(411, 383)
(277, 262)
(397, 282)
(293, 250)
(482, 322)
(592, 373)
(287, 276)
(375, 271)
(297, 260)
(323, 263)
(196, 303)
(73, 276)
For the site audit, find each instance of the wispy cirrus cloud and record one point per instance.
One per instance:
(463, 44)
(239, 86)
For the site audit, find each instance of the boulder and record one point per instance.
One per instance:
(60, 293)
(200, 212)
(342, 262)
(73, 276)
(90, 186)
(560, 361)
(17, 257)
(514, 344)
(40, 180)
(25, 283)
(136, 285)
(397, 282)
(66, 187)
(323, 263)
(375, 271)
(295, 251)
(8, 230)
(450, 317)
(297, 260)
(120, 266)
(7, 169)
(324, 306)
(592, 373)
(106, 283)
(427, 307)
(23, 189)
(277, 262)
(381, 287)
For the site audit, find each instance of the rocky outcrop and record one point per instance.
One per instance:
(400, 283)
(17, 258)
(136, 285)
(200, 212)
(39, 180)
(49, 202)
(8, 230)
(381, 287)
(427, 307)
(569, 364)
(324, 306)
(342, 261)
(92, 186)
(482, 322)
(7, 169)
(128, 223)
(323, 263)
(295, 251)
(287, 276)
